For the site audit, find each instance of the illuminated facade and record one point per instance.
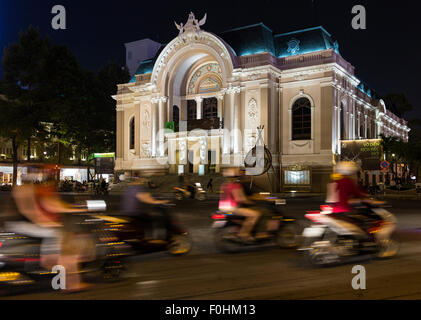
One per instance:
(212, 91)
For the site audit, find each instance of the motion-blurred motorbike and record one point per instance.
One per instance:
(284, 233)
(153, 232)
(194, 192)
(20, 254)
(333, 239)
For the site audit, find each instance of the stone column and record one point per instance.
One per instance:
(227, 124)
(359, 125)
(199, 112)
(154, 118)
(237, 118)
(313, 123)
(220, 106)
(365, 126)
(162, 118)
(120, 133)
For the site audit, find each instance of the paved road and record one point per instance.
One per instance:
(261, 274)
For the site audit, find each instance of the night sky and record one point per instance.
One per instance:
(385, 54)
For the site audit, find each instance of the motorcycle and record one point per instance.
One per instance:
(332, 239)
(197, 192)
(20, 254)
(284, 233)
(158, 231)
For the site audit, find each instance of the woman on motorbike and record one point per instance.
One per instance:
(344, 193)
(42, 208)
(233, 199)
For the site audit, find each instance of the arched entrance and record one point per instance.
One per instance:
(191, 73)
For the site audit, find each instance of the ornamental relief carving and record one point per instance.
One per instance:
(253, 112)
(146, 149)
(146, 119)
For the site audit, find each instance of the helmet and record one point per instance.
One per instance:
(346, 168)
(231, 172)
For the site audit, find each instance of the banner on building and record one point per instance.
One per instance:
(368, 153)
(104, 163)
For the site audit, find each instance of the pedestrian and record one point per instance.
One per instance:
(209, 187)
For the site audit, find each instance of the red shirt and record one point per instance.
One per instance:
(347, 189)
(227, 200)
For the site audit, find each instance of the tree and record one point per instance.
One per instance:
(398, 102)
(23, 64)
(14, 126)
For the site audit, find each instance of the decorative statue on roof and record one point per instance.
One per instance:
(192, 25)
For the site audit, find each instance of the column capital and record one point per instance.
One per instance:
(199, 99)
(164, 99)
(155, 100)
(232, 90)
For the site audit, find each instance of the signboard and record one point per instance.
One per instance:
(104, 163)
(170, 125)
(369, 152)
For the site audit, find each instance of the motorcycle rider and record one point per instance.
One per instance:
(138, 202)
(344, 193)
(41, 209)
(234, 199)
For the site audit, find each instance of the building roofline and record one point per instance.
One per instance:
(303, 30)
(248, 26)
(126, 43)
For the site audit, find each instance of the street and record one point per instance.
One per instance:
(269, 273)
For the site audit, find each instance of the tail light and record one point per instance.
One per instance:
(326, 208)
(218, 216)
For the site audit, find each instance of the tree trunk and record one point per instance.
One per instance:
(15, 160)
(58, 153)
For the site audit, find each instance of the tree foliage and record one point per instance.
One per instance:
(44, 84)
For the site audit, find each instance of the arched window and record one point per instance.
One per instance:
(132, 133)
(301, 119)
(175, 114)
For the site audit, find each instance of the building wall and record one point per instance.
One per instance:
(256, 93)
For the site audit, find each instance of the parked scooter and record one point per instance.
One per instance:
(331, 239)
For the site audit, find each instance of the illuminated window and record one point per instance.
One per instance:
(301, 177)
(301, 119)
(132, 133)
